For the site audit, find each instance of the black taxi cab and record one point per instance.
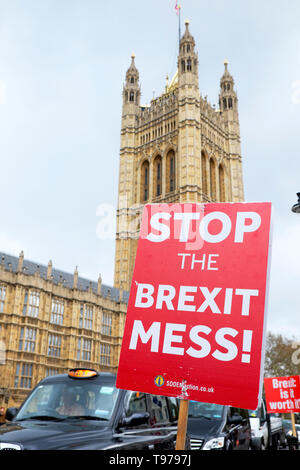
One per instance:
(84, 410)
(218, 427)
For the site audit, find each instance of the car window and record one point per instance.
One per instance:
(239, 411)
(100, 401)
(174, 408)
(263, 412)
(159, 409)
(136, 404)
(205, 410)
(287, 424)
(41, 399)
(71, 399)
(258, 413)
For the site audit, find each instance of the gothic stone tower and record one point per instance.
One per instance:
(177, 149)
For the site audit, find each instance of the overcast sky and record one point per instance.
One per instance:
(62, 69)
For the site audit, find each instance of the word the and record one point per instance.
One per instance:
(205, 261)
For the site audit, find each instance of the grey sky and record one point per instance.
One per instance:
(62, 68)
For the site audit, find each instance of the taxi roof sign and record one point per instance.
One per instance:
(82, 373)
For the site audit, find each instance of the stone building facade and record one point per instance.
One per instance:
(51, 321)
(178, 149)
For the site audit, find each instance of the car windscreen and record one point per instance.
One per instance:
(205, 410)
(62, 400)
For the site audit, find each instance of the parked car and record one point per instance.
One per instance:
(267, 430)
(84, 410)
(212, 427)
(288, 429)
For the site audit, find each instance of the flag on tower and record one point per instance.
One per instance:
(177, 7)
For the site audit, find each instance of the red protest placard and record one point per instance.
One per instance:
(283, 394)
(196, 314)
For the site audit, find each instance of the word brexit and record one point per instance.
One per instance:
(148, 296)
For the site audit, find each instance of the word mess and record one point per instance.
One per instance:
(169, 338)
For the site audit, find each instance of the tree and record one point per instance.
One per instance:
(282, 356)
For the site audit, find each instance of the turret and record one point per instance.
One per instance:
(131, 90)
(187, 59)
(130, 113)
(228, 101)
(188, 155)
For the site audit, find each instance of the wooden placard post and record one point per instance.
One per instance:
(293, 425)
(182, 424)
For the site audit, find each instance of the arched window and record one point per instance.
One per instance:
(145, 181)
(222, 195)
(229, 103)
(131, 96)
(204, 173)
(183, 66)
(157, 167)
(189, 65)
(224, 103)
(212, 174)
(171, 179)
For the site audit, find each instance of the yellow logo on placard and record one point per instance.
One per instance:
(159, 380)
